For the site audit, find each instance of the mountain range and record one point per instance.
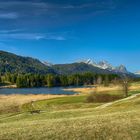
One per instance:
(106, 66)
(137, 73)
(13, 63)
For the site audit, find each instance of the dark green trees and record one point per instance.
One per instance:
(51, 80)
(0, 79)
(106, 80)
(20, 81)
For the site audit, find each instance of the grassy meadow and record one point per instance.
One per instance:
(71, 117)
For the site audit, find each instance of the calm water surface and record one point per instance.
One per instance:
(55, 90)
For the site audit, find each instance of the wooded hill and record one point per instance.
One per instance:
(11, 63)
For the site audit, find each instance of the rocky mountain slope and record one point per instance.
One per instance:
(106, 66)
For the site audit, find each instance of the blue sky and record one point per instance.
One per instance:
(64, 31)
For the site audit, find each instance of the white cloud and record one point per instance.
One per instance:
(28, 6)
(8, 15)
(30, 36)
(59, 38)
(10, 31)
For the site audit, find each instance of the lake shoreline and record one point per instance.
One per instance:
(8, 86)
(37, 91)
(14, 86)
(69, 90)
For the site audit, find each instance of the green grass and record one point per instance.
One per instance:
(72, 118)
(64, 103)
(133, 92)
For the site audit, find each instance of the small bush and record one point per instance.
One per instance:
(102, 98)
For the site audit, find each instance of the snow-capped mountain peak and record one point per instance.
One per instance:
(122, 69)
(137, 73)
(47, 63)
(89, 61)
(106, 66)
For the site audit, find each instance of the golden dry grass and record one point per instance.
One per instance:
(134, 86)
(92, 88)
(16, 100)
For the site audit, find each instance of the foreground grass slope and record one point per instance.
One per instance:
(12, 103)
(72, 118)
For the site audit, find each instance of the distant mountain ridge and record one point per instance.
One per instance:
(77, 68)
(106, 66)
(13, 63)
(137, 73)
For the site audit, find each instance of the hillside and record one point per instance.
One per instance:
(78, 68)
(17, 64)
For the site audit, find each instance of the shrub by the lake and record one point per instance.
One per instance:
(102, 98)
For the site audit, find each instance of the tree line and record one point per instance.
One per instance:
(52, 80)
